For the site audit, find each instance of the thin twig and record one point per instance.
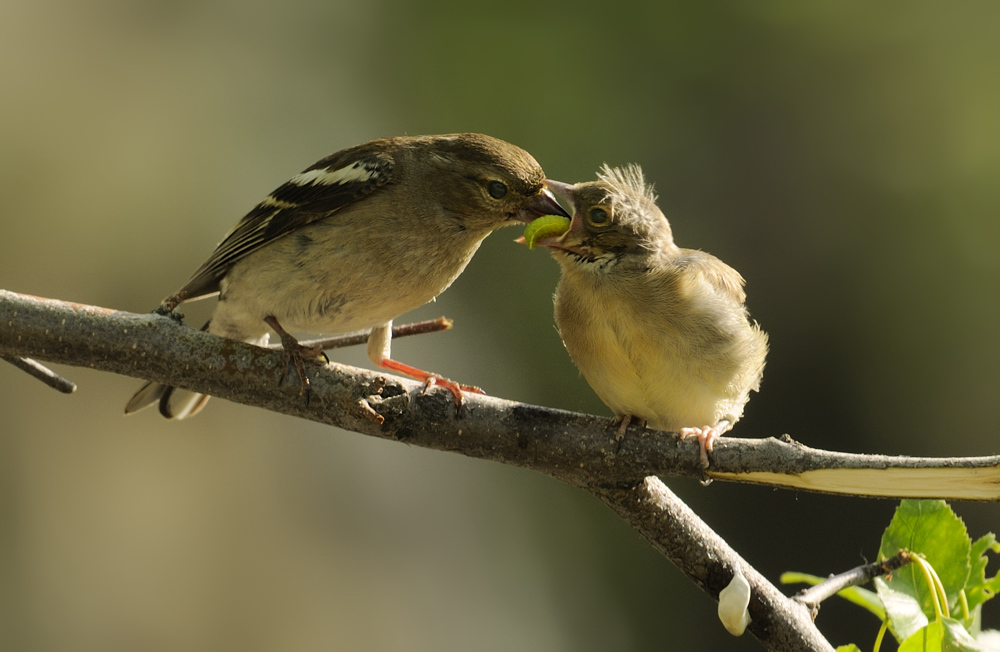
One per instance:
(360, 337)
(42, 373)
(814, 595)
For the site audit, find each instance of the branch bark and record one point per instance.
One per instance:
(576, 448)
(42, 373)
(857, 576)
(777, 621)
(572, 447)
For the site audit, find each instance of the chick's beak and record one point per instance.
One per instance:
(544, 203)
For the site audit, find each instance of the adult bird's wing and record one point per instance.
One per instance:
(316, 193)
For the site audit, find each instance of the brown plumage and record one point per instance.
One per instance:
(356, 240)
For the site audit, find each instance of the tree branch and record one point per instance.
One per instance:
(857, 576)
(576, 448)
(573, 447)
(360, 337)
(42, 373)
(777, 621)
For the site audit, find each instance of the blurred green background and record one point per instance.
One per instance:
(844, 156)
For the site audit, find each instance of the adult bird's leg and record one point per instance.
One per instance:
(379, 348)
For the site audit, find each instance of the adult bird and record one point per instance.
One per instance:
(356, 240)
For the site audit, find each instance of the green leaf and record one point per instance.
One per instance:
(864, 598)
(926, 639)
(945, 635)
(851, 647)
(929, 528)
(905, 613)
(956, 638)
(979, 589)
(795, 577)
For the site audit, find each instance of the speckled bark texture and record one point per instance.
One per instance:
(777, 621)
(576, 448)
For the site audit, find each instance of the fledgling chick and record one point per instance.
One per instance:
(661, 333)
(356, 240)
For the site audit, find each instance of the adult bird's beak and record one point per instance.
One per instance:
(563, 191)
(544, 203)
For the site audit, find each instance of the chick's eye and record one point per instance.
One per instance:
(598, 216)
(496, 189)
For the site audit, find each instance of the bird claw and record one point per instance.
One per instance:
(456, 389)
(621, 424)
(295, 355)
(430, 380)
(706, 439)
(168, 307)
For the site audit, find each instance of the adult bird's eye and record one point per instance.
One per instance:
(496, 189)
(598, 216)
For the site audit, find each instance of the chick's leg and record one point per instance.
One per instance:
(622, 423)
(706, 438)
(379, 348)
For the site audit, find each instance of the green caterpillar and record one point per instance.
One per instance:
(543, 227)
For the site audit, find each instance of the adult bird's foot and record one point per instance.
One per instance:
(296, 354)
(431, 379)
(168, 307)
